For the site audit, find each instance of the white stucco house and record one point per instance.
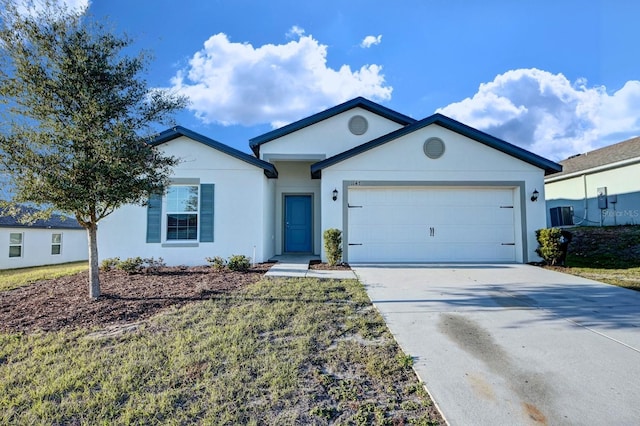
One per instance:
(600, 187)
(400, 189)
(45, 242)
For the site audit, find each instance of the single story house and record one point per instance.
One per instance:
(59, 239)
(399, 189)
(600, 187)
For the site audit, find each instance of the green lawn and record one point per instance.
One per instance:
(607, 271)
(278, 352)
(14, 278)
(608, 254)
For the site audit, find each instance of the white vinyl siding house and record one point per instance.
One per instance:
(41, 243)
(432, 190)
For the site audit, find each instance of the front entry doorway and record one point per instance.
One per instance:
(298, 224)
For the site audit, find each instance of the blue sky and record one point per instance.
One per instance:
(555, 77)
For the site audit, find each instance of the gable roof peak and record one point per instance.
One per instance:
(177, 131)
(448, 123)
(358, 102)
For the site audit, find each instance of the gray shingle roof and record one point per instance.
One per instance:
(626, 150)
(56, 221)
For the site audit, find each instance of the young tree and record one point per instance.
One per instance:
(78, 117)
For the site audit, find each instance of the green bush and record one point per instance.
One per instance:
(549, 244)
(131, 265)
(109, 263)
(216, 262)
(239, 263)
(333, 245)
(153, 266)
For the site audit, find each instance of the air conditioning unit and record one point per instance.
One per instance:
(561, 216)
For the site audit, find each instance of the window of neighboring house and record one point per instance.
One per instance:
(182, 212)
(56, 243)
(15, 244)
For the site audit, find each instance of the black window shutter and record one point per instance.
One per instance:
(207, 195)
(154, 218)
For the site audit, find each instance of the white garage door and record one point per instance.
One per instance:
(420, 224)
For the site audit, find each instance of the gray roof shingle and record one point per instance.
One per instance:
(621, 151)
(56, 221)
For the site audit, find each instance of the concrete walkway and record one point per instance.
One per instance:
(514, 344)
(297, 266)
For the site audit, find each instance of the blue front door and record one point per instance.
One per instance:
(297, 223)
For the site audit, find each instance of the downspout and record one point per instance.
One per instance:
(586, 202)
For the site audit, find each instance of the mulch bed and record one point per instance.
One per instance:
(327, 267)
(64, 302)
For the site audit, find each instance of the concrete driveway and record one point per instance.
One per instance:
(515, 344)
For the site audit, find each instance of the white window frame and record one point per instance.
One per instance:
(20, 245)
(170, 210)
(59, 244)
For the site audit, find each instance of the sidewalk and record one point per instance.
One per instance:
(298, 267)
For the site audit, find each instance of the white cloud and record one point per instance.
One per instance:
(295, 32)
(370, 40)
(547, 114)
(235, 83)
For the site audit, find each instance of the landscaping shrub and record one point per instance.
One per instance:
(109, 263)
(131, 265)
(333, 245)
(550, 242)
(216, 262)
(239, 263)
(153, 265)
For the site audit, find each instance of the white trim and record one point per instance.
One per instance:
(56, 244)
(167, 212)
(21, 245)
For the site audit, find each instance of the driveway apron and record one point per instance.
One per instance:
(514, 344)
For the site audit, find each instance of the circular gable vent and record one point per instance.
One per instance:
(433, 148)
(358, 125)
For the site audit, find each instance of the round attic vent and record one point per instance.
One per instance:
(358, 125)
(433, 148)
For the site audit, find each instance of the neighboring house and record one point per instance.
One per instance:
(59, 239)
(401, 190)
(601, 187)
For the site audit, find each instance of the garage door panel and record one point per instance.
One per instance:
(381, 215)
(450, 252)
(391, 233)
(422, 224)
(472, 234)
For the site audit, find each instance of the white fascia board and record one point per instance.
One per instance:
(592, 170)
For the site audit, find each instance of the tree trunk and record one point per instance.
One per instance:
(94, 269)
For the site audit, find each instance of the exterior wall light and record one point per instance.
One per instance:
(335, 194)
(534, 196)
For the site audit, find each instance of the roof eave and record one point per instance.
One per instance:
(178, 131)
(604, 167)
(548, 166)
(545, 164)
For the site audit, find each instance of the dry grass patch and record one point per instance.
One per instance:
(274, 352)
